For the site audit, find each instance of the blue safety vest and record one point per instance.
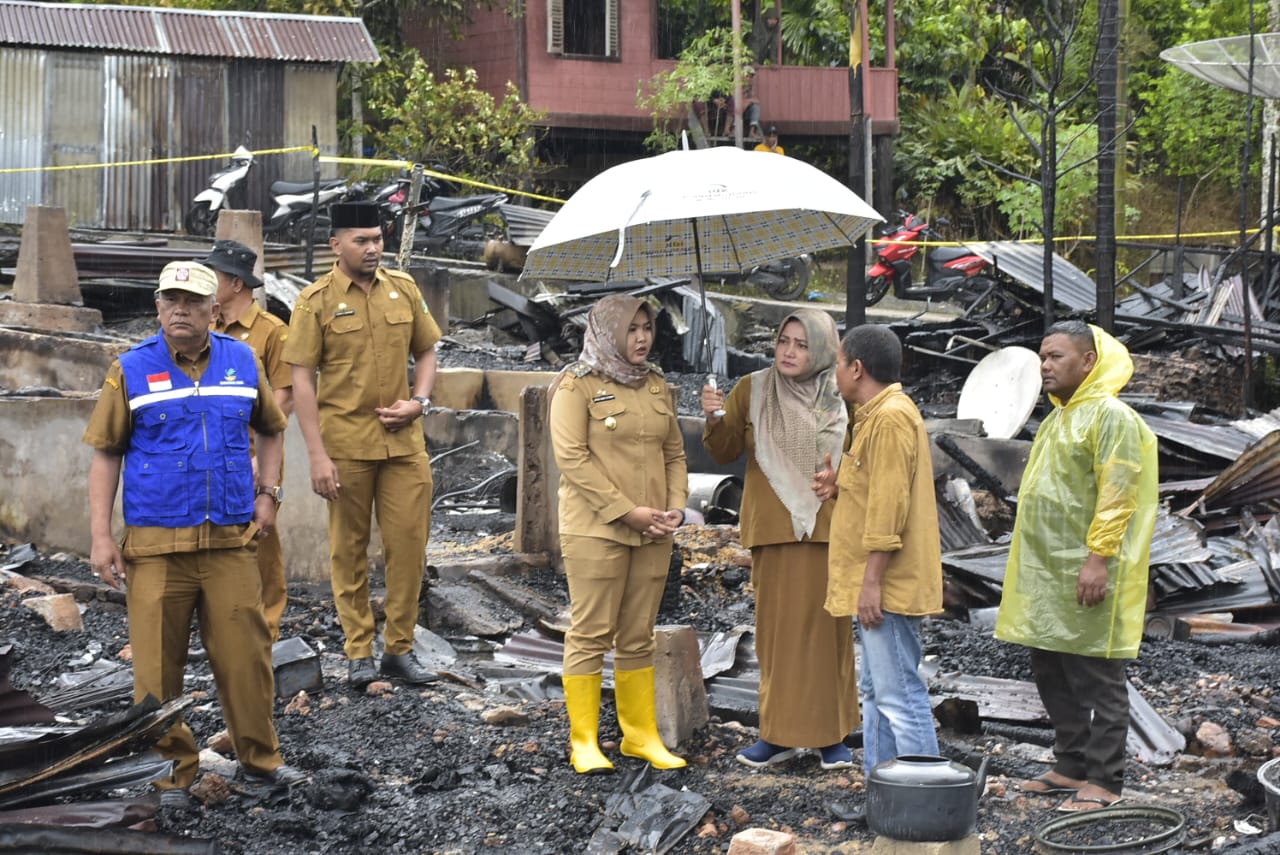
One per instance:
(188, 459)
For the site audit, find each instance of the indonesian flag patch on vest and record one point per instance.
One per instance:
(159, 382)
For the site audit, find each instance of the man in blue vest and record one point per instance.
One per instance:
(173, 417)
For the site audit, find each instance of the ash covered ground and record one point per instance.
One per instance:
(437, 770)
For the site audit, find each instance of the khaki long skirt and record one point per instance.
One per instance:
(808, 691)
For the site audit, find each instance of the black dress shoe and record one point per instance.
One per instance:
(282, 774)
(402, 666)
(360, 672)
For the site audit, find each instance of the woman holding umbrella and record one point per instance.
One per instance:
(623, 487)
(790, 421)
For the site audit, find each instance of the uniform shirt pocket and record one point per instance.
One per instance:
(603, 410)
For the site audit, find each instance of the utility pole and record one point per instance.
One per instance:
(1108, 80)
(855, 307)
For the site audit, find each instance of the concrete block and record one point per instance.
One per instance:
(763, 841)
(678, 688)
(490, 429)
(46, 264)
(65, 362)
(60, 611)
(51, 317)
(458, 388)
(434, 283)
(888, 846)
(504, 388)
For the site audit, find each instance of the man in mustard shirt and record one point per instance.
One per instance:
(885, 553)
(237, 315)
(358, 325)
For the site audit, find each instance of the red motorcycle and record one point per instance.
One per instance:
(951, 273)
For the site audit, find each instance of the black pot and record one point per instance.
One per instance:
(924, 798)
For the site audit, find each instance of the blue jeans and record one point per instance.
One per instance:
(896, 716)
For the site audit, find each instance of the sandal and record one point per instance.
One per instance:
(1079, 804)
(1043, 786)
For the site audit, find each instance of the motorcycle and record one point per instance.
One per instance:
(784, 279)
(201, 218)
(447, 225)
(292, 200)
(951, 273)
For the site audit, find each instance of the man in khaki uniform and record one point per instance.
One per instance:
(239, 316)
(358, 325)
(173, 417)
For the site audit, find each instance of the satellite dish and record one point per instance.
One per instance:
(1001, 391)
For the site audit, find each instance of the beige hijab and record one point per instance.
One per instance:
(799, 420)
(604, 342)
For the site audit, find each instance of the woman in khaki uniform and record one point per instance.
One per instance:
(623, 487)
(789, 419)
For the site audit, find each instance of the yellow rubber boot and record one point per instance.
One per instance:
(582, 702)
(638, 718)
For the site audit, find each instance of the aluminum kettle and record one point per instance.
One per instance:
(921, 797)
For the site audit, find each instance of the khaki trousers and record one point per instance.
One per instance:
(614, 594)
(222, 587)
(398, 489)
(275, 594)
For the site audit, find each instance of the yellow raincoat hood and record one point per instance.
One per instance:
(1091, 485)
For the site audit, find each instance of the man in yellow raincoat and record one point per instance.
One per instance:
(1075, 589)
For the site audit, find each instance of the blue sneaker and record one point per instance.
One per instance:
(836, 756)
(764, 754)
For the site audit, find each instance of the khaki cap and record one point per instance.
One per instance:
(188, 276)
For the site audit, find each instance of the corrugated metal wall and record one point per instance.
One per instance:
(199, 127)
(22, 75)
(73, 121)
(310, 98)
(137, 129)
(255, 112)
(64, 107)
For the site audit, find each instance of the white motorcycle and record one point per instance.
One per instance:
(292, 200)
(202, 217)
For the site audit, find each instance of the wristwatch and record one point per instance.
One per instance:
(276, 493)
(424, 401)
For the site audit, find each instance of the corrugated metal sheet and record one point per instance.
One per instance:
(1024, 262)
(74, 109)
(199, 127)
(255, 111)
(310, 99)
(137, 127)
(22, 130)
(180, 32)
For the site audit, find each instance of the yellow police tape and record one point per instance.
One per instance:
(1062, 239)
(405, 164)
(155, 160)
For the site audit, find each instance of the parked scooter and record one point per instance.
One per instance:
(447, 225)
(951, 273)
(784, 279)
(202, 217)
(294, 200)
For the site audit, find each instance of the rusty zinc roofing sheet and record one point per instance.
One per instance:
(182, 32)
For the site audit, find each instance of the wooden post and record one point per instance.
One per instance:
(246, 227)
(537, 503)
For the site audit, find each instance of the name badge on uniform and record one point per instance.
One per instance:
(342, 313)
(602, 396)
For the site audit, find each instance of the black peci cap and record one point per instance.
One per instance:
(355, 215)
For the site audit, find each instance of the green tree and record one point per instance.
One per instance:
(704, 67)
(450, 121)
